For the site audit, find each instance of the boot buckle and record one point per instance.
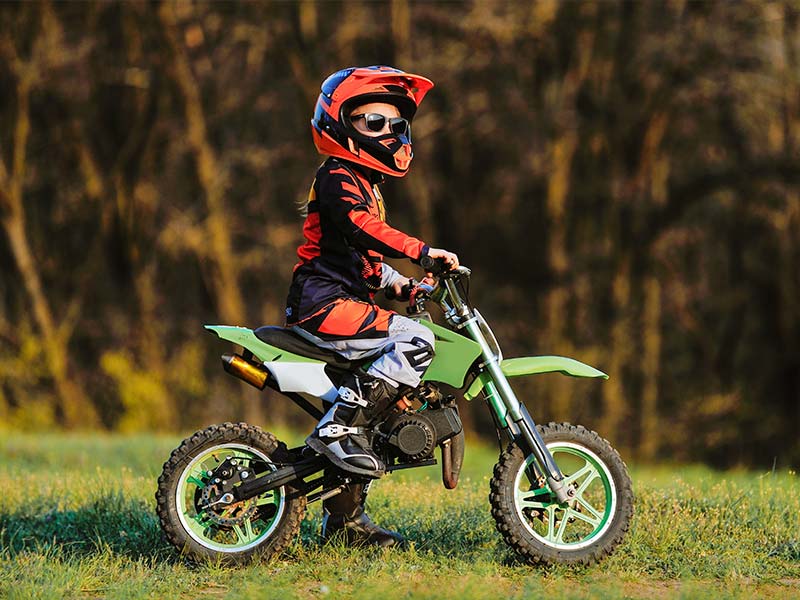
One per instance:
(334, 430)
(350, 397)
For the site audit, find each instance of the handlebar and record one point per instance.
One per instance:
(407, 290)
(438, 266)
(435, 266)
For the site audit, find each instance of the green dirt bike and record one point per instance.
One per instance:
(559, 493)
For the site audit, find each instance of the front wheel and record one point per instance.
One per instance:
(581, 531)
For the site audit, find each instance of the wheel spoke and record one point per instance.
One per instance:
(240, 535)
(592, 476)
(579, 473)
(248, 529)
(268, 499)
(594, 522)
(525, 499)
(195, 481)
(551, 522)
(562, 527)
(595, 513)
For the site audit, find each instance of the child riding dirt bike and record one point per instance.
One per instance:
(230, 492)
(362, 121)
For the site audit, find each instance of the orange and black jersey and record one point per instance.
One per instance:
(346, 238)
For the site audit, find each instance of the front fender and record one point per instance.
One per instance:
(533, 365)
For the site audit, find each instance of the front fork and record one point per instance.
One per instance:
(503, 400)
(514, 417)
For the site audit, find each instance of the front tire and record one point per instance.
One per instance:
(581, 532)
(234, 533)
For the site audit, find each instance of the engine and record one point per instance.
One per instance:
(413, 434)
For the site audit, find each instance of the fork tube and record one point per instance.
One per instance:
(519, 414)
(498, 406)
(520, 417)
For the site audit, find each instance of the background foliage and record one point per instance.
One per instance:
(621, 177)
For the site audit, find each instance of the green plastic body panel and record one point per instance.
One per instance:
(261, 350)
(454, 356)
(454, 352)
(532, 365)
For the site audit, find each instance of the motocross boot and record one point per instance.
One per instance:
(345, 515)
(340, 434)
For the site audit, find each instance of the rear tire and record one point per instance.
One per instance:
(232, 534)
(590, 526)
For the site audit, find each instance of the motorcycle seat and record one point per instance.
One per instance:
(286, 339)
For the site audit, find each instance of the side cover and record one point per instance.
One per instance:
(454, 356)
(532, 365)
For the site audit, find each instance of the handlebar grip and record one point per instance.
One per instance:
(433, 265)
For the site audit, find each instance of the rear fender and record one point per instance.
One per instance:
(534, 365)
(261, 350)
(292, 372)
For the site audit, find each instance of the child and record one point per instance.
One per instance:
(362, 121)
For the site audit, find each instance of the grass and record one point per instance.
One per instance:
(77, 520)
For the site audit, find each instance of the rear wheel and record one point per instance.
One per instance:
(581, 531)
(195, 515)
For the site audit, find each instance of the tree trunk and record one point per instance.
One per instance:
(224, 267)
(560, 392)
(651, 369)
(614, 402)
(74, 408)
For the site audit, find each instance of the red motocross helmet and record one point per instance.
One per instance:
(335, 135)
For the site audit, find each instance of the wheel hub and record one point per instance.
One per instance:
(222, 513)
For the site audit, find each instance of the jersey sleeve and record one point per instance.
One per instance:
(389, 276)
(342, 199)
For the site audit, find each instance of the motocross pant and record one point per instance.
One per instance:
(356, 329)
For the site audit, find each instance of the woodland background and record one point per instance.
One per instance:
(622, 177)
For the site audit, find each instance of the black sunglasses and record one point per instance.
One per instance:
(376, 122)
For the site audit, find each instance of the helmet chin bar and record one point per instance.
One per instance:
(402, 158)
(391, 152)
(358, 149)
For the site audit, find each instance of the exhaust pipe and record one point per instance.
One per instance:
(245, 370)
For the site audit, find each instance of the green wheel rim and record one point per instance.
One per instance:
(257, 517)
(586, 517)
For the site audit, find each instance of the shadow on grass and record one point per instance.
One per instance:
(129, 527)
(109, 523)
(457, 533)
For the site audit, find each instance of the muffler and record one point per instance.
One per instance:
(245, 370)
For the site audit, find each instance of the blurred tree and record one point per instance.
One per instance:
(622, 177)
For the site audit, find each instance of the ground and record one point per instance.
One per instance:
(77, 520)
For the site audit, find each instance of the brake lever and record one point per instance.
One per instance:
(420, 288)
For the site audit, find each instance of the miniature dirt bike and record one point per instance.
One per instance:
(559, 494)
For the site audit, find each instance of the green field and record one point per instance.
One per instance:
(77, 520)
